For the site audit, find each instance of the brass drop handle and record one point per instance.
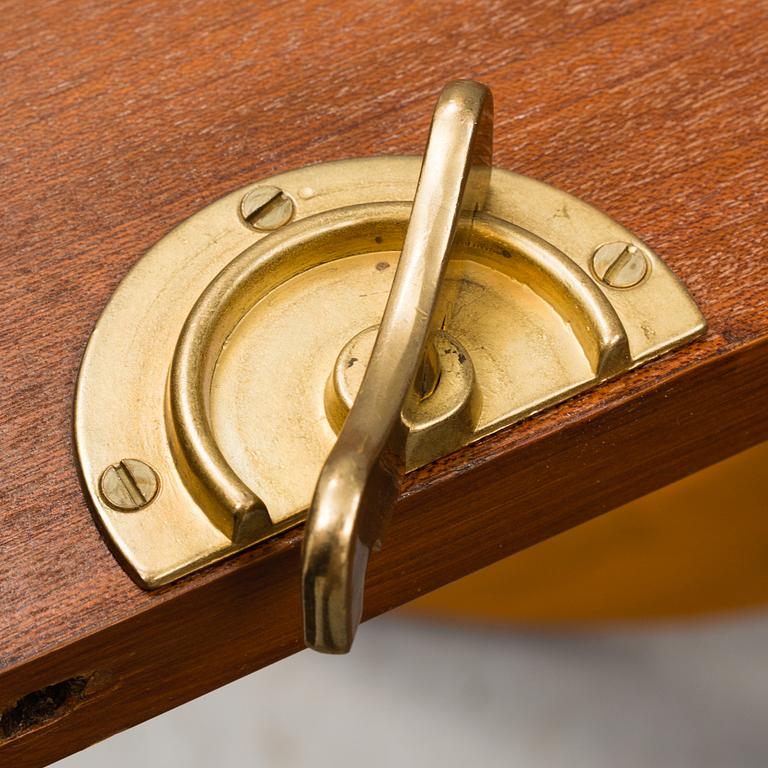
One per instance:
(250, 352)
(360, 478)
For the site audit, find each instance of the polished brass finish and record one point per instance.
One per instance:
(266, 208)
(128, 485)
(619, 265)
(239, 347)
(361, 476)
(440, 414)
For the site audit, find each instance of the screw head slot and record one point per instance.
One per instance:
(266, 208)
(128, 485)
(619, 265)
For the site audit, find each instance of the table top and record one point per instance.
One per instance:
(121, 120)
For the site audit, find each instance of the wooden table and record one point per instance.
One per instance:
(120, 120)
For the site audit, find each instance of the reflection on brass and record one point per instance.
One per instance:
(369, 332)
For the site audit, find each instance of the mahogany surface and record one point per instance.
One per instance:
(119, 120)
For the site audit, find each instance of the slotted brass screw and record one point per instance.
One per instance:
(128, 485)
(266, 208)
(620, 265)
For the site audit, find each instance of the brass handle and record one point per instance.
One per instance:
(360, 478)
(204, 429)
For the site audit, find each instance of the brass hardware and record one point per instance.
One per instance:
(266, 208)
(360, 478)
(128, 485)
(619, 265)
(350, 321)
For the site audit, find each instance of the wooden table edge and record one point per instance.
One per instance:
(240, 616)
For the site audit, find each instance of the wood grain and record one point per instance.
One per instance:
(119, 120)
(661, 558)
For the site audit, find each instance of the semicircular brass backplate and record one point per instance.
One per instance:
(266, 395)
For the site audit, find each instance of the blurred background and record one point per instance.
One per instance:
(638, 639)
